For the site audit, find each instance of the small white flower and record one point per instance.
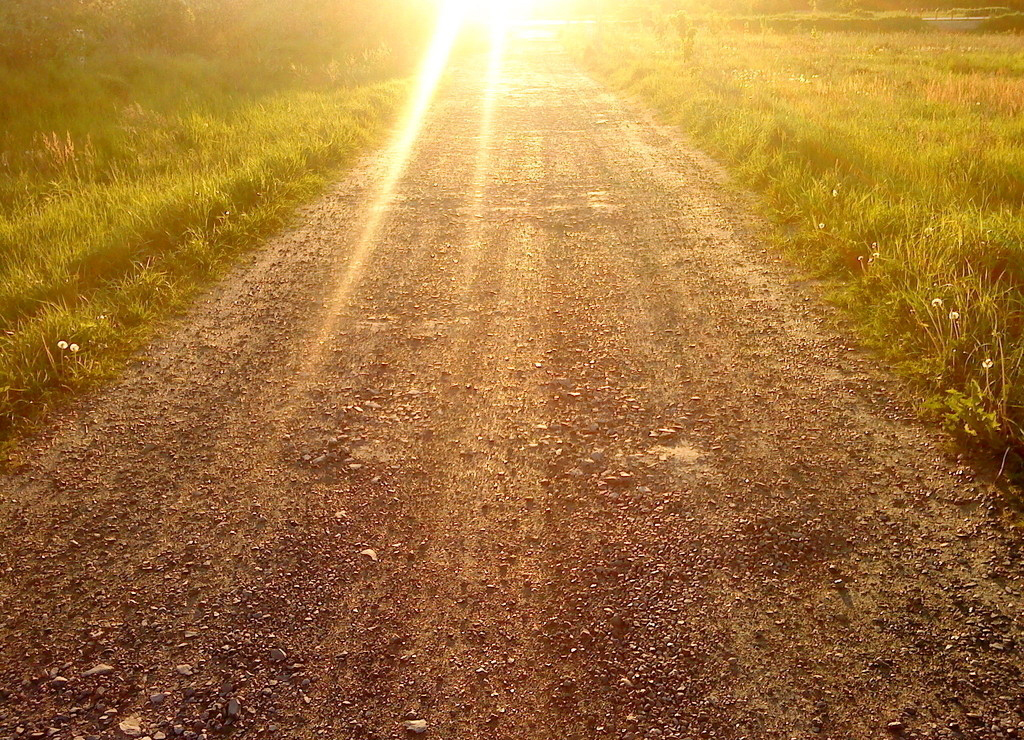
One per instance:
(74, 348)
(62, 344)
(987, 364)
(835, 192)
(936, 303)
(821, 226)
(954, 315)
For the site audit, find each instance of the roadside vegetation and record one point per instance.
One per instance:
(893, 163)
(146, 142)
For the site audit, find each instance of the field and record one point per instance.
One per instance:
(134, 164)
(892, 163)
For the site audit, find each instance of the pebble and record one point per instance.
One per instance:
(101, 669)
(277, 655)
(416, 726)
(184, 669)
(131, 727)
(371, 554)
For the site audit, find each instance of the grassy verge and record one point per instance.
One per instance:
(128, 182)
(894, 163)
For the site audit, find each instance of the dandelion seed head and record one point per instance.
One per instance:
(74, 347)
(62, 344)
(936, 303)
(987, 364)
(954, 315)
(821, 226)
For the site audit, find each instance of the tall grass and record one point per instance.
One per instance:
(895, 163)
(133, 169)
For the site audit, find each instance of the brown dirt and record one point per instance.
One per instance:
(621, 474)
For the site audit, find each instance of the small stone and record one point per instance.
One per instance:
(416, 726)
(159, 735)
(234, 708)
(101, 669)
(370, 553)
(59, 682)
(183, 670)
(158, 698)
(896, 728)
(131, 727)
(277, 655)
(619, 624)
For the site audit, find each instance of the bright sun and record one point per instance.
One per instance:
(494, 13)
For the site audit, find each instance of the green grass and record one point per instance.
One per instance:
(127, 182)
(894, 164)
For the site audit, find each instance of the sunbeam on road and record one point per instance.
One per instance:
(454, 16)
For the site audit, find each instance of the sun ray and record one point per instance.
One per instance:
(449, 24)
(478, 191)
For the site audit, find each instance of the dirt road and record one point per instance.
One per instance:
(554, 450)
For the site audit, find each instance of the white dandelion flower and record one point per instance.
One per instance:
(62, 344)
(987, 364)
(74, 347)
(954, 315)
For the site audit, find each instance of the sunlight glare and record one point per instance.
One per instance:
(498, 15)
(450, 22)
